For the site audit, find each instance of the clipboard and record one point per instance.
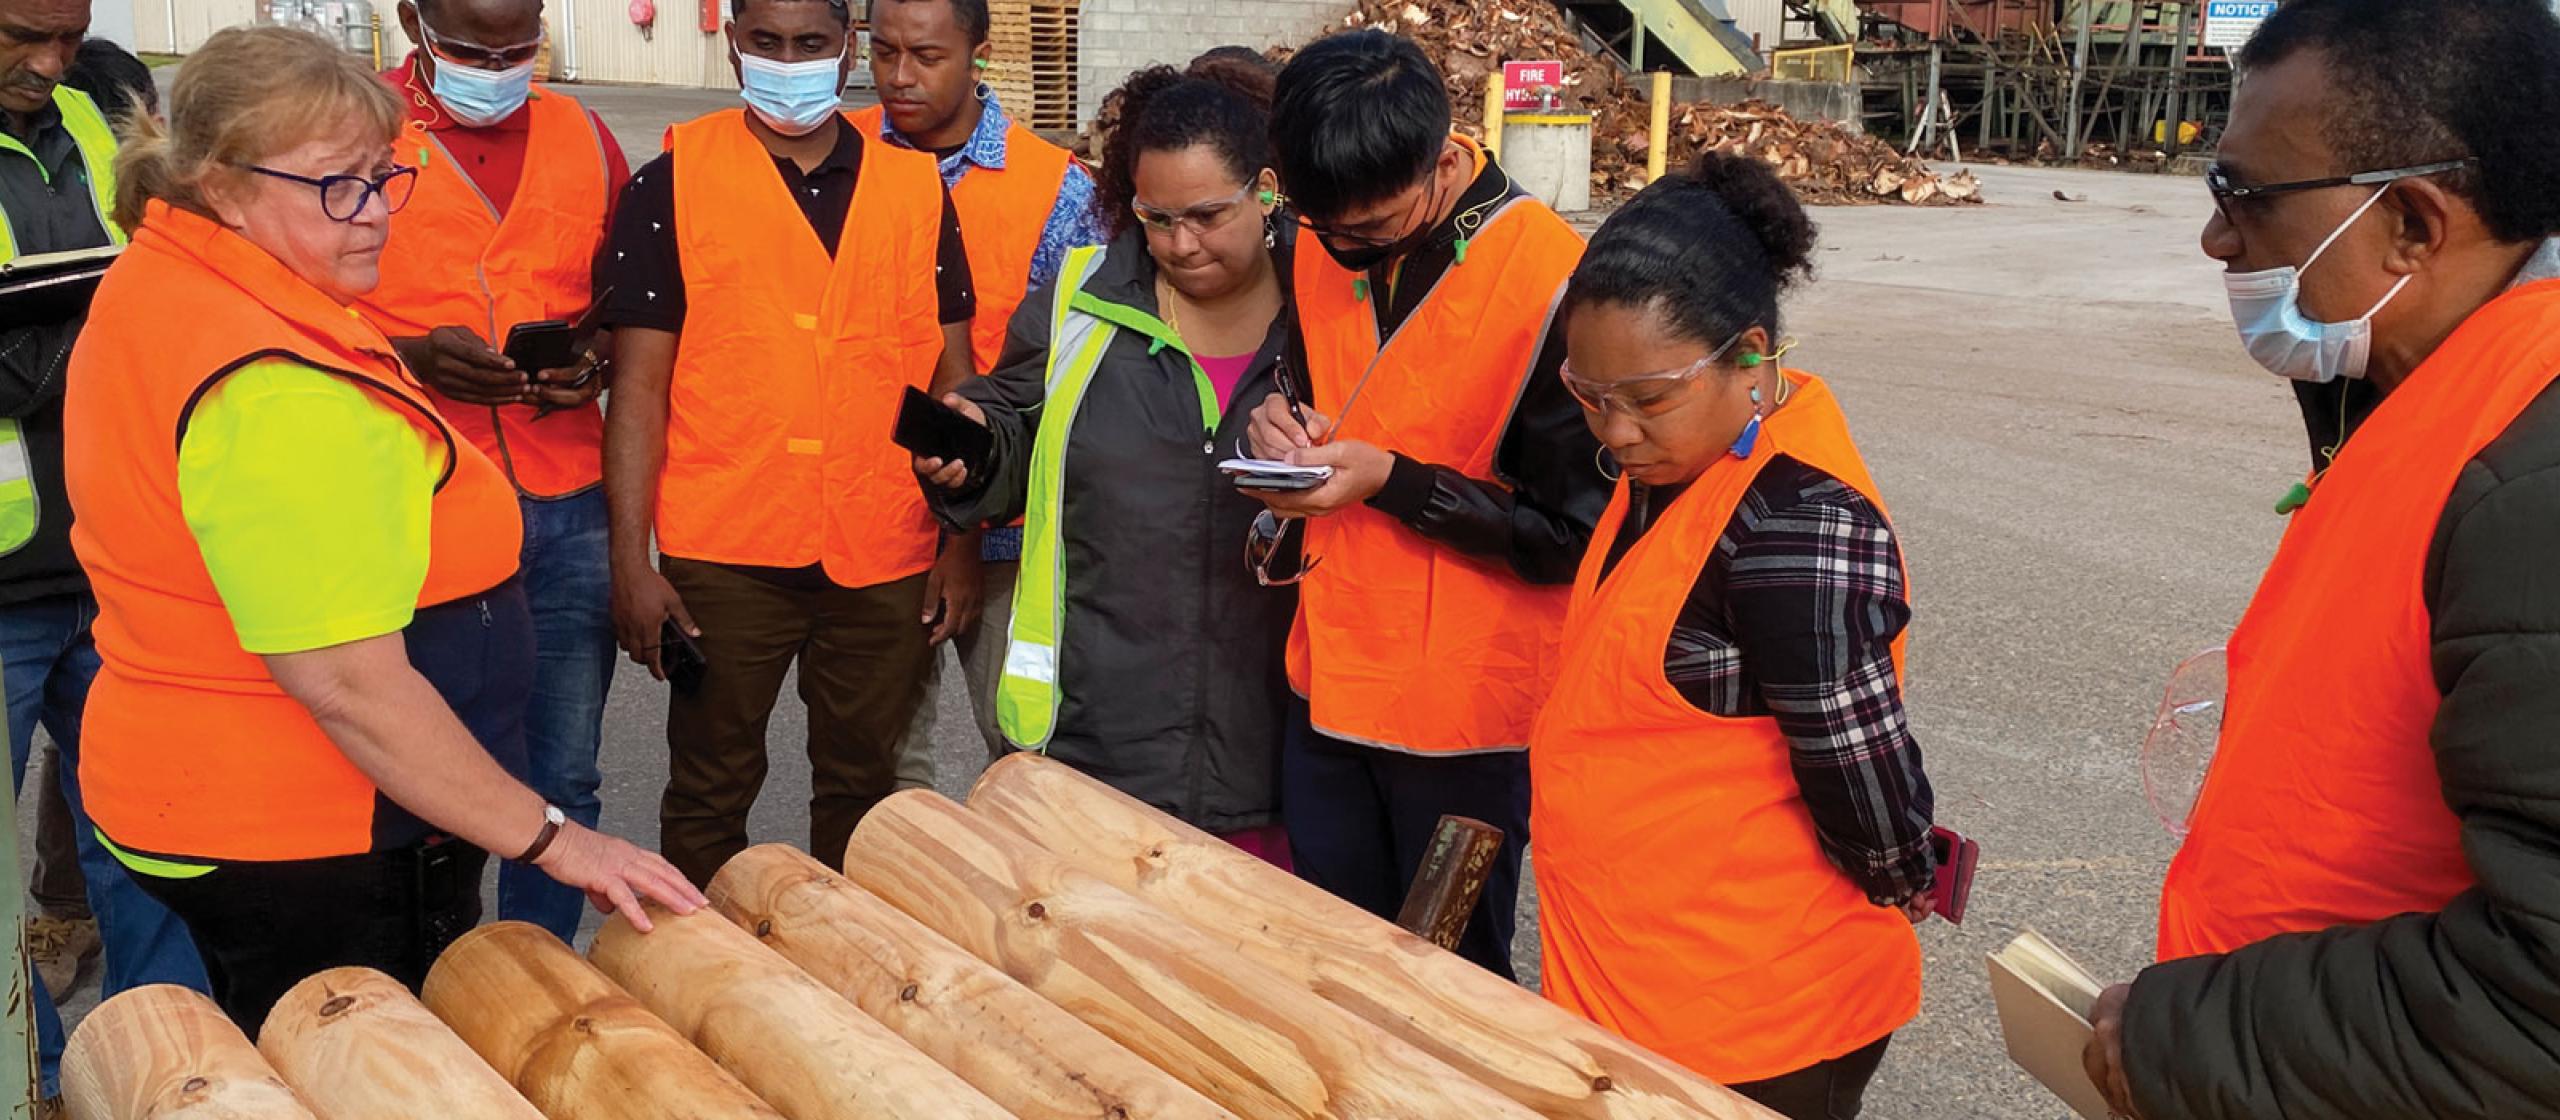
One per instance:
(52, 287)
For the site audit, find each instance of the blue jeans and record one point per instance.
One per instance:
(47, 660)
(570, 586)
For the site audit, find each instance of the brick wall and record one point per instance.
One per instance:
(1118, 37)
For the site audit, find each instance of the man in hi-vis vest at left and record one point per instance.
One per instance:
(57, 187)
(515, 182)
(2364, 920)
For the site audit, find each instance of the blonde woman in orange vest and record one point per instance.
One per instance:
(514, 184)
(2361, 920)
(1731, 823)
(316, 648)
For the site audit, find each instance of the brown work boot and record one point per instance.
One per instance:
(63, 949)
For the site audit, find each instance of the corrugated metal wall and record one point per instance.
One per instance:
(1764, 19)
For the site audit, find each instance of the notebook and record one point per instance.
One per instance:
(2044, 999)
(51, 287)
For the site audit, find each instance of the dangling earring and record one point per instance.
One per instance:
(1271, 230)
(1750, 437)
(1601, 459)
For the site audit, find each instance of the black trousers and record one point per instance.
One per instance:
(1830, 1090)
(1360, 820)
(265, 927)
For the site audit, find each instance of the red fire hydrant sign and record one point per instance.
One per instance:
(1521, 81)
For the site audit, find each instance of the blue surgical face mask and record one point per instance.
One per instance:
(480, 98)
(2267, 307)
(792, 98)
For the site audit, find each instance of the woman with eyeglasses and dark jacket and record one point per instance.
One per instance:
(1144, 650)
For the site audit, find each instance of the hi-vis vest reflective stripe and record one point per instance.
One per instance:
(790, 366)
(452, 261)
(1402, 642)
(1081, 327)
(1002, 215)
(190, 749)
(1685, 899)
(97, 142)
(2324, 806)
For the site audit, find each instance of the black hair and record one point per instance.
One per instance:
(2418, 81)
(1236, 52)
(1357, 117)
(1709, 250)
(843, 9)
(120, 83)
(1223, 103)
(971, 15)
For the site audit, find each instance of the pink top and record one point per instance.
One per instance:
(1225, 373)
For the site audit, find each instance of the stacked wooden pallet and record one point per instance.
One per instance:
(1009, 42)
(1053, 65)
(1120, 966)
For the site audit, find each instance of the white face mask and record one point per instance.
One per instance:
(2267, 307)
(480, 98)
(792, 98)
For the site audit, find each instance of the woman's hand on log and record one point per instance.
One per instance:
(617, 875)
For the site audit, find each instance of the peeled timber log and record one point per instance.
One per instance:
(1248, 1037)
(572, 1042)
(1494, 1031)
(358, 1046)
(1021, 1050)
(804, 1049)
(164, 1052)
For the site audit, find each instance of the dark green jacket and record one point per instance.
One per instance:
(2454, 1014)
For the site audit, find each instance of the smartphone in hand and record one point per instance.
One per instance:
(1956, 857)
(545, 344)
(935, 430)
(679, 658)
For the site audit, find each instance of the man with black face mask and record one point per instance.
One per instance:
(1464, 482)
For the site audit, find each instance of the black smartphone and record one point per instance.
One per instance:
(680, 658)
(1281, 482)
(1956, 857)
(936, 430)
(542, 344)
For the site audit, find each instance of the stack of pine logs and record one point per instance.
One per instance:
(1051, 951)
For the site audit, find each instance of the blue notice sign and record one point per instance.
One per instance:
(2229, 23)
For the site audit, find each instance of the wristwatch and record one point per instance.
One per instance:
(552, 819)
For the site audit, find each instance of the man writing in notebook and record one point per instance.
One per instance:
(2361, 920)
(778, 282)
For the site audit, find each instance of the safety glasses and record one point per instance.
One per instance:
(1200, 218)
(344, 197)
(1346, 240)
(480, 57)
(1262, 547)
(1640, 397)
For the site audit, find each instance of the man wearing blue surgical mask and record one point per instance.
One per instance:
(778, 282)
(515, 183)
(2360, 920)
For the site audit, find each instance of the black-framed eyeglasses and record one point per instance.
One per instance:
(484, 58)
(344, 197)
(2217, 179)
(1347, 241)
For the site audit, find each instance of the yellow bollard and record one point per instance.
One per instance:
(1658, 153)
(1493, 113)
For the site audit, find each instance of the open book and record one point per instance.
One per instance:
(2044, 999)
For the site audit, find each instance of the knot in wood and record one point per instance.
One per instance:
(1602, 1084)
(764, 928)
(194, 1085)
(337, 1006)
(907, 994)
(1039, 911)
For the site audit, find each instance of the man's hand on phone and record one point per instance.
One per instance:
(643, 601)
(554, 389)
(461, 365)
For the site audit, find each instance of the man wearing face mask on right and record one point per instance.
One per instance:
(2360, 921)
(514, 187)
(776, 283)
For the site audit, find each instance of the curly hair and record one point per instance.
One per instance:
(1224, 103)
(1710, 249)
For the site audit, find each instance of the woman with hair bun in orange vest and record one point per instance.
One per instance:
(1729, 818)
(316, 649)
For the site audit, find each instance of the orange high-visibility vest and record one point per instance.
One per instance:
(790, 366)
(189, 747)
(1002, 214)
(1401, 642)
(2323, 806)
(1684, 899)
(452, 262)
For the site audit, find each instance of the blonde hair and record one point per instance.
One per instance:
(247, 94)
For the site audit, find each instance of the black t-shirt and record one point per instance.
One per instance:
(643, 278)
